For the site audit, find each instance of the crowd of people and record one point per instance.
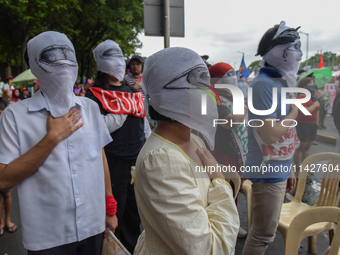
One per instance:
(85, 160)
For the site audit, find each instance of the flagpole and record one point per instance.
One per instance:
(306, 65)
(238, 75)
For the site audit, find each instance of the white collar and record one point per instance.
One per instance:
(38, 102)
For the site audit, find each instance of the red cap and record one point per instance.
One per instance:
(219, 69)
(11, 77)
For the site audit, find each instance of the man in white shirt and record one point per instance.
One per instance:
(51, 146)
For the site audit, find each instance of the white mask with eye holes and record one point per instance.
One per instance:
(110, 59)
(53, 61)
(286, 59)
(175, 80)
(228, 78)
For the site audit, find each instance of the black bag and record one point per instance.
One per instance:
(336, 111)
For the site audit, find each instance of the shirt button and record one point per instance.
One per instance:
(74, 172)
(77, 196)
(77, 219)
(70, 147)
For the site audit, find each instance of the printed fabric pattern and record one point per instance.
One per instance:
(282, 149)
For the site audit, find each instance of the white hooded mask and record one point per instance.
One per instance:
(53, 61)
(110, 59)
(173, 81)
(285, 57)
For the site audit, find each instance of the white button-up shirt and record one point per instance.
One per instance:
(64, 200)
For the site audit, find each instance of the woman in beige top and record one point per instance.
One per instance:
(183, 209)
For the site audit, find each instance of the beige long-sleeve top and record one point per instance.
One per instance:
(182, 211)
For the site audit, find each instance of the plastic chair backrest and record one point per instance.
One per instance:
(235, 178)
(330, 179)
(307, 218)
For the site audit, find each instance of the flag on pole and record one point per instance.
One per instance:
(243, 71)
(321, 61)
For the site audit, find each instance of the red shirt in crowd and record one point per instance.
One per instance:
(310, 118)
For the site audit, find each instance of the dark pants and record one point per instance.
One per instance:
(322, 113)
(90, 246)
(128, 229)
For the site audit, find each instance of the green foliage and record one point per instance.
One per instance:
(254, 66)
(329, 59)
(85, 22)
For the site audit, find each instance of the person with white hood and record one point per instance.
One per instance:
(114, 96)
(184, 209)
(272, 144)
(51, 146)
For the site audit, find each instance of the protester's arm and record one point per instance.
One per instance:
(57, 130)
(147, 129)
(108, 187)
(114, 121)
(233, 119)
(137, 85)
(271, 131)
(291, 183)
(315, 105)
(111, 221)
(324, 92)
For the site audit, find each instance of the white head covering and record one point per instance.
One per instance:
(173, 80)
(110, 59)
(223, 73)
(53, 61)
(285, 57)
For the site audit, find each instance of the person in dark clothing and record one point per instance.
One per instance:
(127, 141)
(336, 117)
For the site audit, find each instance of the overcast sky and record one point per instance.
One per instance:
(221, 28)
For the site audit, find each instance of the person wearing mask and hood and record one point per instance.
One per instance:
(51, 146)
(272, 144)
(113, 95)
(184, 210)
(231, 140)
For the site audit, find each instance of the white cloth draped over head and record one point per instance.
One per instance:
(110, 59)
(228, 78)
(173, 81)
(53, 61)
(285, 57)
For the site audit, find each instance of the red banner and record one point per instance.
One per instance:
(119, 102)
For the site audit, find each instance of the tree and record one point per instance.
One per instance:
(85, 22)
(97, 21)
(254, 66)
(330, 59)
(22, 19)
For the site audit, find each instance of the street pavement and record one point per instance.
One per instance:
(10, 244)
(330, 134)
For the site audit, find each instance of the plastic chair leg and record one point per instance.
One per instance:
(331, 235)
(312, 244)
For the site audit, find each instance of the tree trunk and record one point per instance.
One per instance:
(81, 67)
(23, 49)
(16, 59)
